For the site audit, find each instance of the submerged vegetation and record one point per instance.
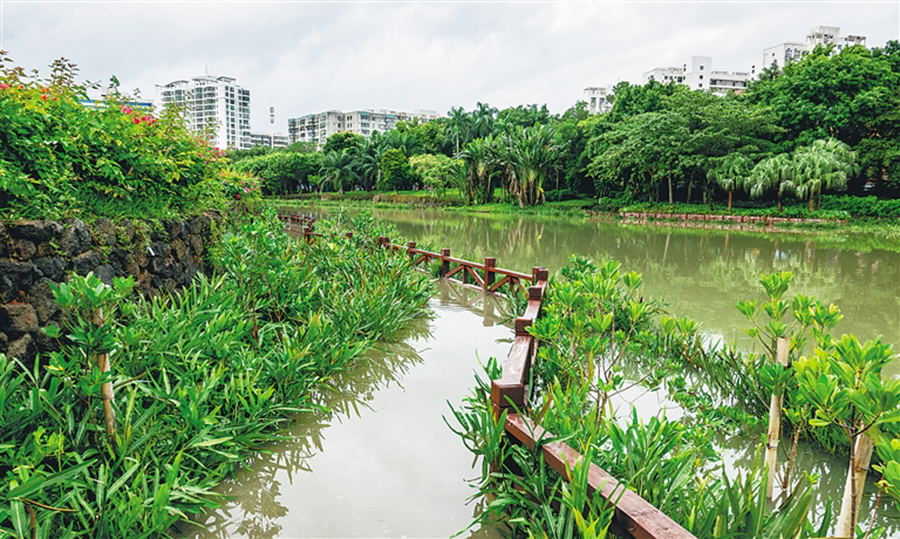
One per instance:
(602, 342)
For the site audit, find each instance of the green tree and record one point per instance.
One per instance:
(337, 168)
(731, 173)
(479, 162)
(395, 171)
(823, 164)
(437, 171)
(344, 140)
(773, 172)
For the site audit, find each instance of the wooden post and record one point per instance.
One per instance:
(489, 264)
(445, 264)
(307, 232)
(106, 388)
(852, 497)
(542, 274)
(782, 346)
(349, 235)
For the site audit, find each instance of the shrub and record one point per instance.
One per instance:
(59, 155)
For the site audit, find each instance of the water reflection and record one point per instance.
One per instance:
(700, 273)
(380, 462)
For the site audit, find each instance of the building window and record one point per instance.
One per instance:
(701, 77)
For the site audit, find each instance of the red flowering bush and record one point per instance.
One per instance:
(61, 153)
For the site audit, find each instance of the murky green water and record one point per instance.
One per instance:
(386, 465)
(700, 273)
(383, 463)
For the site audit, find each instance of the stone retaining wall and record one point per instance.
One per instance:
(162, 256)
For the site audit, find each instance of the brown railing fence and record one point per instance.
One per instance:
(634, 516)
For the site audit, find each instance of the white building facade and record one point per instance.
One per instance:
(697, 74)
(214, 106)
(598, 99)
(318, 127)
(782, 54)
(271, 140)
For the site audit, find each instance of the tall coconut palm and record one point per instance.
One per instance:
(824, 164)
(459, 124)
(731, 173)
(773, 172)
(338, 168)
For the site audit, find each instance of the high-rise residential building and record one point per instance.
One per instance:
(318, 127)
(212, 105)
(598, 98)
(784, 53)
(697, 74)
(272, 140)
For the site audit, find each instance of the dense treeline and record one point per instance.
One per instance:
(825, 123)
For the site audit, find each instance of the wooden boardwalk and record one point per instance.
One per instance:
(634, 516)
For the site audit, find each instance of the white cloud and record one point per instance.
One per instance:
(307, 57)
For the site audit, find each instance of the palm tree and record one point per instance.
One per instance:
(823, 164)
(459, 123)
(776, 171)
(530, 155)
(479, 163)
(731, 173)
(483, 120)
(338, 168)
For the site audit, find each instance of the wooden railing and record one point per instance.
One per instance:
(634, 516)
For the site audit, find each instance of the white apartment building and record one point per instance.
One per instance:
(213, 105)
(598, 98)
(272, 140)
(784, 53)
(697, 74)
(318, 127)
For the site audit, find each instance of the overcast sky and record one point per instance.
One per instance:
(303, 57)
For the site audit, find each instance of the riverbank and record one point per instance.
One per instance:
(202, 381)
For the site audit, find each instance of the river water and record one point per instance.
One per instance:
(384, 463)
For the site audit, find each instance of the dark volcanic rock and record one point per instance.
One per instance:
(14, 277)
(50, 267)
(34, 231)
(86, 262)
(17, 319)
(41, 298)
(76, 238)
(23, 348)
(105, 232)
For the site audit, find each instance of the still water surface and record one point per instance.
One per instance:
(386, 465)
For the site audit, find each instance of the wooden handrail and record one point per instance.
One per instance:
(634, 516)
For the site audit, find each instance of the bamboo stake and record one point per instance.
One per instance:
(781, 356)
(106, 389)
(853, 490)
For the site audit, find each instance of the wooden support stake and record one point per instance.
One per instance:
(106, 388)
(522, 326)
(489, 265)
(445, 264)
(349, 235)
(541, 275)
(782, 346)
(850, 502)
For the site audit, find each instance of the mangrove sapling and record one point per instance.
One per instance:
(844, 385)
(85, 299)
(778, 339)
